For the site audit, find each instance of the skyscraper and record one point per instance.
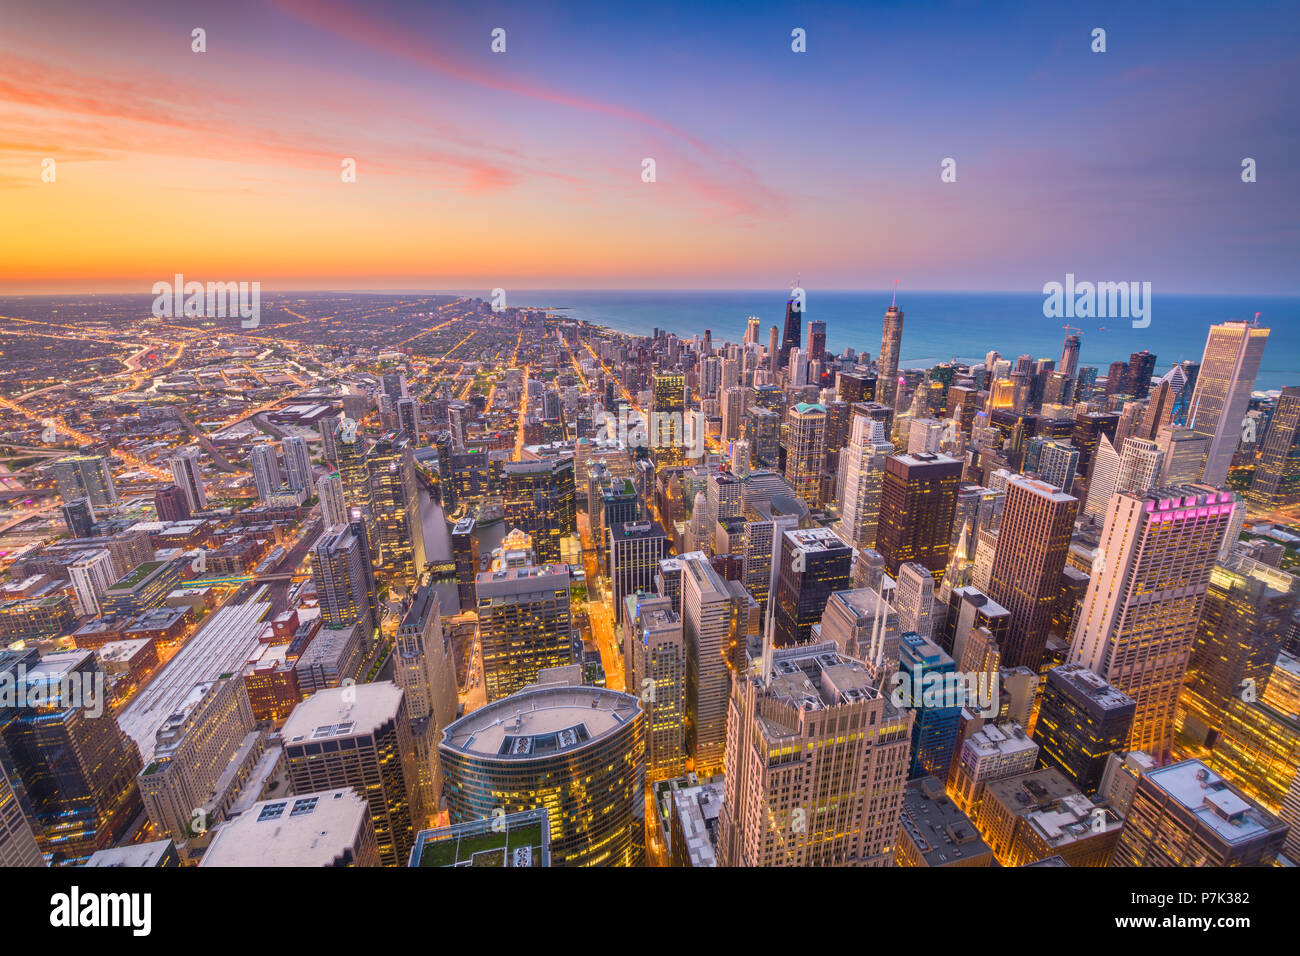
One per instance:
(891, 338)
(297, 463)
(805, 451)
(1277, 476)
(815, 716)
(1033, 541)
(914, 598)
(667, 419)
(1070, 355)
(635, 550)
(188, 477)
(18, 846)
(85, 476)
(1137, 625)
(862, 471)
(578, 752)
(395, 504)
(1233, 352)
(79, 517)
(360, 737)
(656, 656)
(1081, 722)
(343, 571)
(918, 498)
(706, 624)
(170, 504)
(1135, 467)
(329, 489)
(814, 563)
(424, 667)
(266, 471)
(525, 624)
(793, 327)
(935, 729)
(76, 770)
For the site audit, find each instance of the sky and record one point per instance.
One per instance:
(525, 168)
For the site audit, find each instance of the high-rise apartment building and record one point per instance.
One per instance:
(85, 476)
(344, 574)
(297, 463)
(333, 509)
(1277, 476)
(706, 623)
(539, 498)
(266, 471)
(891, 339)
(862, 471)
(668, 419)
(424, 667)
(635, 550)
(914, 598)
(395, 504)
(188, 477)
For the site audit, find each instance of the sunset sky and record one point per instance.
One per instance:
(524, 168)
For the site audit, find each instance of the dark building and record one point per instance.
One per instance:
(918, 498)
(171, 504)
(814, 563)
(793, 328)
(1137, 377)
(1082, 721)
(539, 499)
(635, 550)
(1088, 429)
(79, 516)
(465, 554)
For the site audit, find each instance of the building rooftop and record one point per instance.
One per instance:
(516, 839)
(538, 723)
(342, 712)
(309, 829)
(1096, 689)
(1209, 798)
(940, 830)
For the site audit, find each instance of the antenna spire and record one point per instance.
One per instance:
(894, 301)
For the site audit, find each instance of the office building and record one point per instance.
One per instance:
(914, 598)
(816, 761)
(814, 563)
(1081, 722)
(656, 657)
(1185, 814)
(706, 623)
(1233, 352)
(79, 517)
(918, 499)
(635, 550)
(934, 831)
(539, 499)
(85, 476)
(360, 737)
(18, 846)
(805, 451)
(326, 828)
(1033, 540)
(862, 470)
(520, 839)
(1137, 625)
(344, 574)
(525, 625)
(1277, 476)
(424, 667)
(576, 752)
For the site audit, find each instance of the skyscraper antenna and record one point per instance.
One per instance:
(894, 301)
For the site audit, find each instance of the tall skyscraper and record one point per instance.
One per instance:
(862, 471)
(85, 476)
(815, 716)
(343, 571)
(936, 727)
(360, 737)
(656, 656)
(75, 769)
(266, 471)
(1135, 467)
(816, 340)
(914, 598)
(667, 419)
(814, 563)
(539, 498)
(1070, 355)
(351, 449)
(773, 353)
(706, 624)
(424, 667)
(1033, 541)
(635, 550)
(1137, 625)
(793, 328)
(408, 419)
(395, 504)
(525, 624)
(578, 752)
(189, 478)
(297, 462)
(79, 517)
(1277, 476)
(891, 338)
(329, 489)
(918, 498)
(805, 451)
(1233, 352)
